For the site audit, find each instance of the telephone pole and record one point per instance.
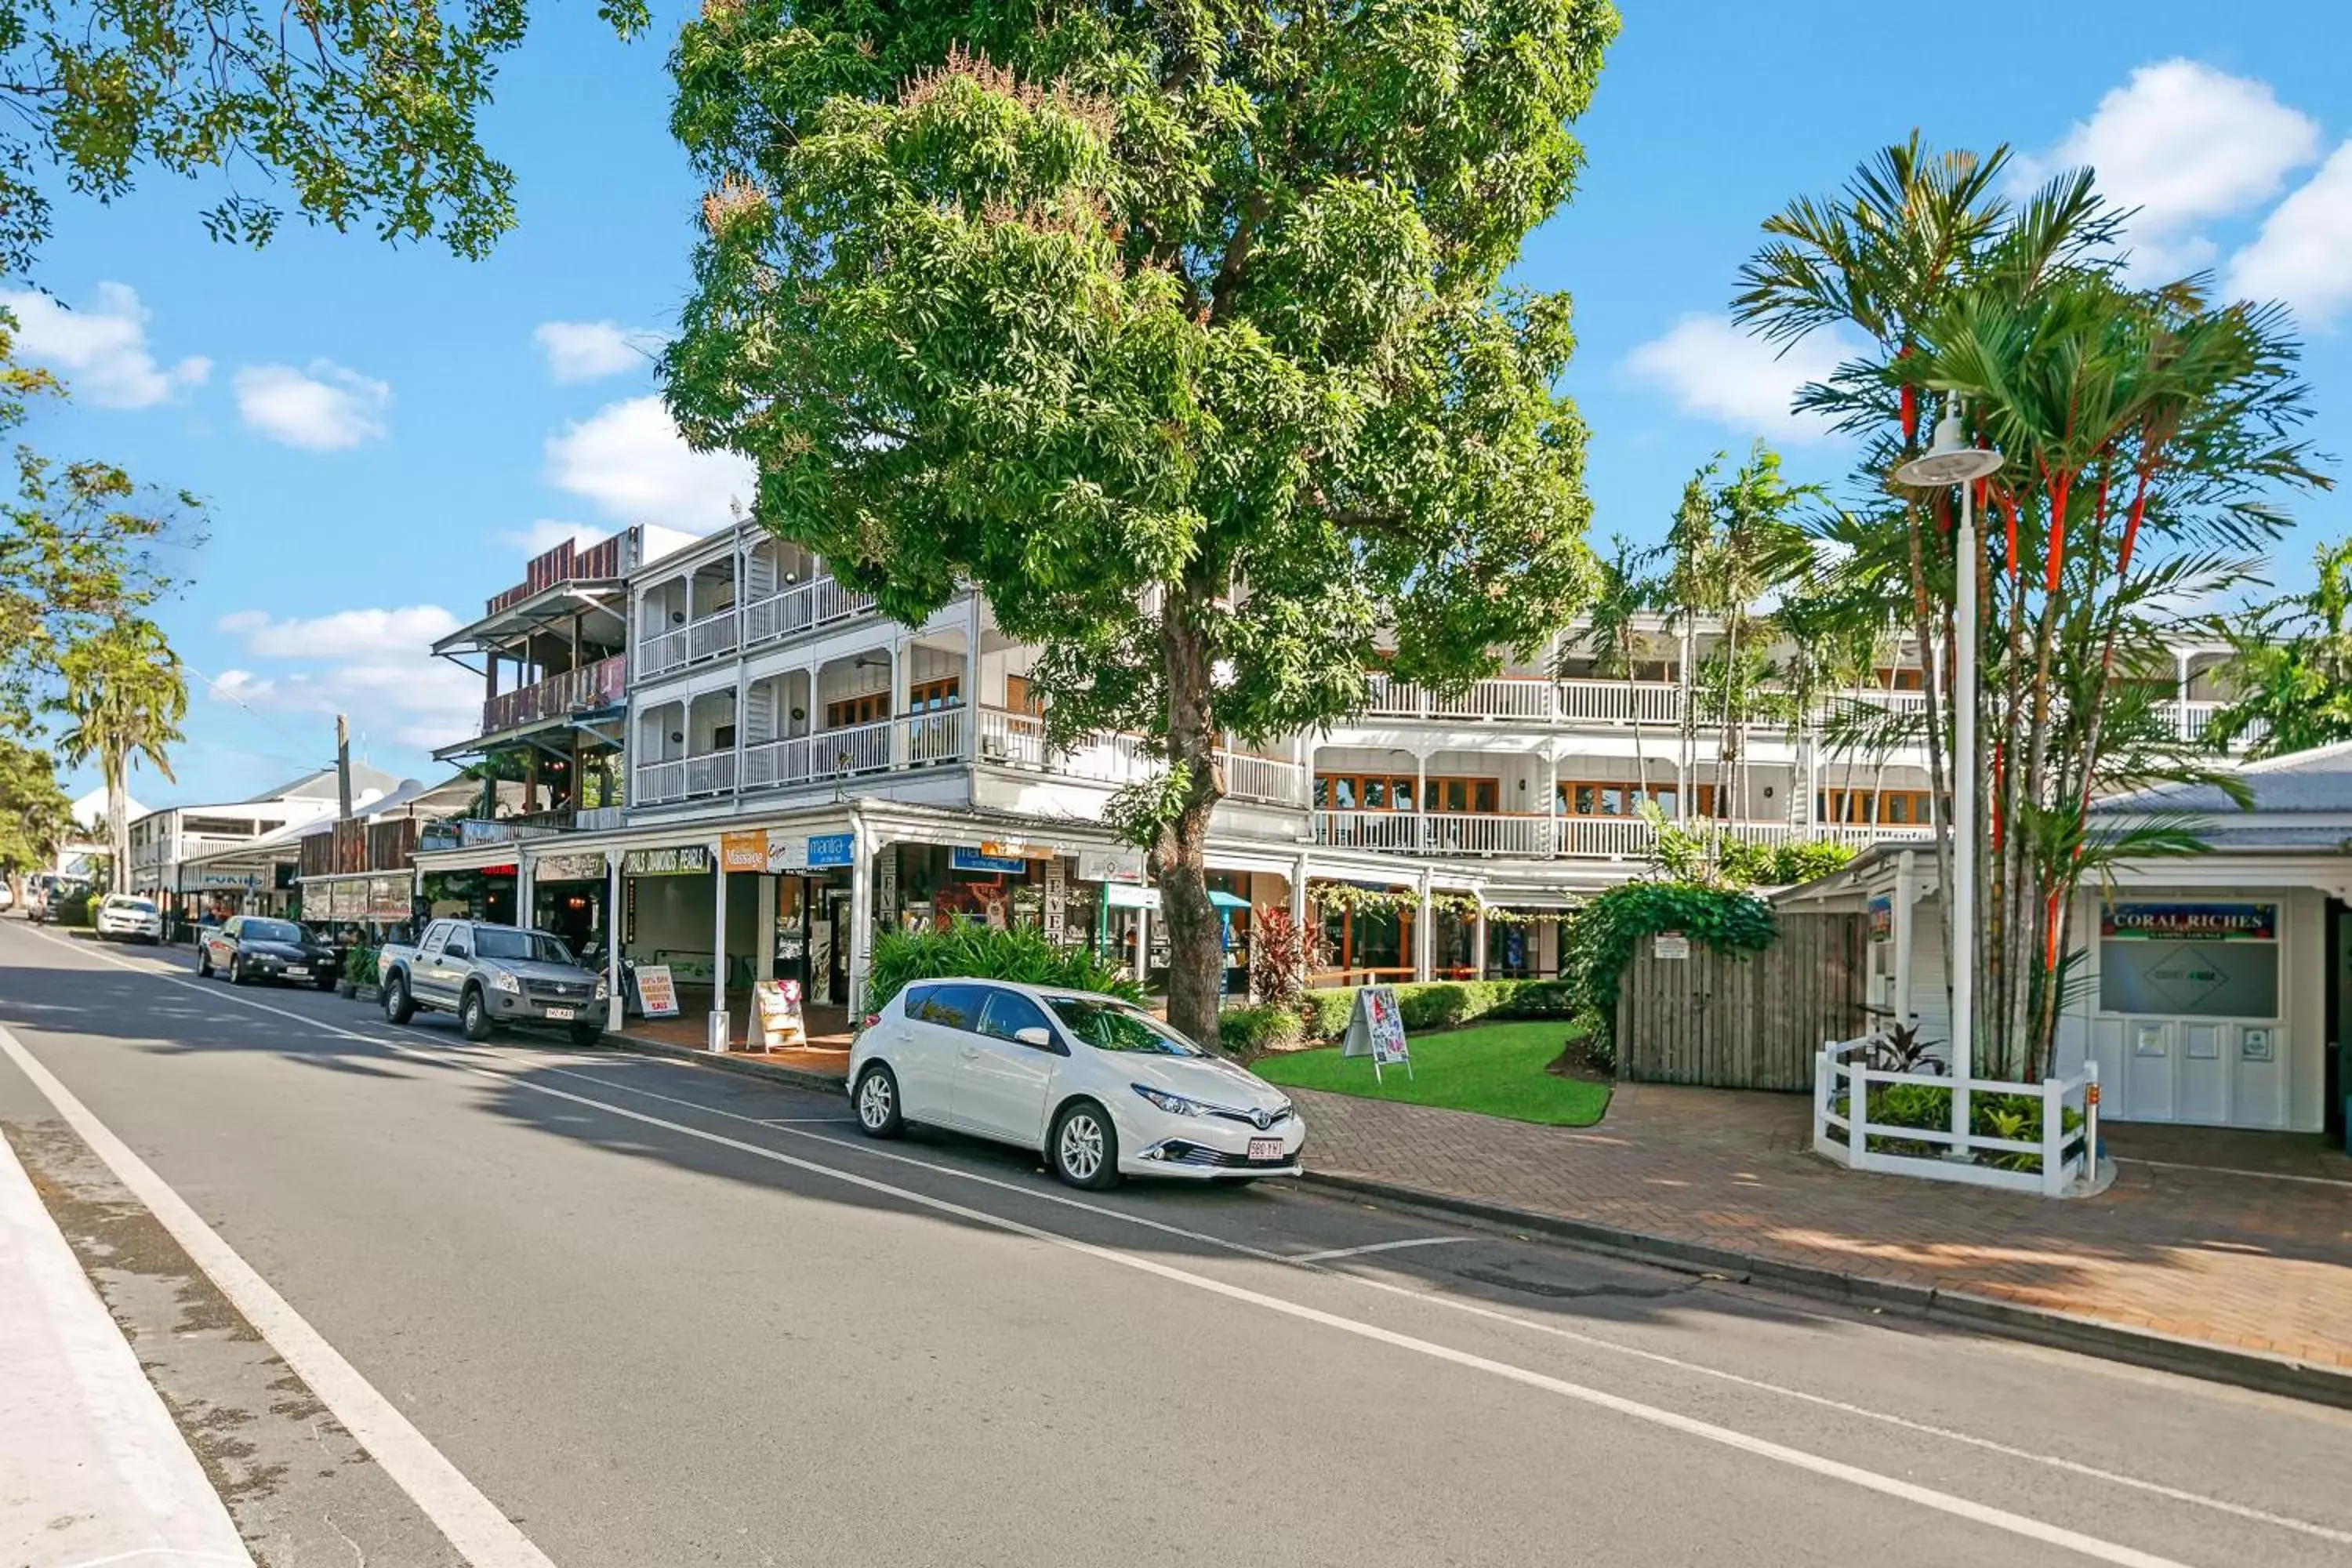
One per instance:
(343, 766)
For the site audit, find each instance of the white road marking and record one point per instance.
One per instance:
(483, 1535)
(444, 1048)
(1329, 1253)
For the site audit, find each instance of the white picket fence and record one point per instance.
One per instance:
(1842, 1130)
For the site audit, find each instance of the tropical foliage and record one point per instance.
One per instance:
(1019, 954)
(1178, 330)
(2292, 666)
(2146, 433)
(1608, 926)
(125, 696)
(35, 815)
(366, 107)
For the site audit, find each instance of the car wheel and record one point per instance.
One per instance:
(474, 1014)
(1085, 1147)
(878, 1103)
(587, 1034)
(203, 962)
(236, 970)
(396, 1004)
(325, 983)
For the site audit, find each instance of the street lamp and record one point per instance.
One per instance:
(1952, 462)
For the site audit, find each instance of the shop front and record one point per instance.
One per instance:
(370, 907)
(812, 939)
(569, 890)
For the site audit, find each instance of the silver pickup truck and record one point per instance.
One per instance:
(491, 975)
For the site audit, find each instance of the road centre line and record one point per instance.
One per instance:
(861, 1147)
(473, 1524)
(1947, 1503)
(1329, 1253)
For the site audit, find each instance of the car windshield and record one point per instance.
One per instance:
(537, 946)
(136, 906)
(274, 930)
(1117, 1026)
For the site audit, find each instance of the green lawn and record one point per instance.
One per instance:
(1496, 1070)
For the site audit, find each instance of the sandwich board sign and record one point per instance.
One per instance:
(1376, 1029)
(778, 1005)
(657, 991)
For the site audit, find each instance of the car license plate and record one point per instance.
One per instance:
(559, 1013)
(1266, 1149)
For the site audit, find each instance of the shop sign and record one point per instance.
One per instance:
(777, 1004)
(386, 898)
(826, 850)
(1056, 899)
(2199, 922)
(1120, 896)
(887, 875)
(1882, 919)
(225, 881)
(680, 860)
(657, 992)
(1670, 944)
(1013, 849)
(578, 866)
(985, 858)
(787, 852)
(1108, 865)
(1376, 1029)
(744, 851)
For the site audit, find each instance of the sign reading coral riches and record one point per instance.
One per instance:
(2199, 922)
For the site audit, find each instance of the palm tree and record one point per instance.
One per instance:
(126, 695)
(2292, 667)
(1613, 637)
(2145, 432)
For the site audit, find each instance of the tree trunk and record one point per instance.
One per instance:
(118, 826)
(1180, 860)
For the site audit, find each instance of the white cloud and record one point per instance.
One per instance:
(1714, 371)
(629, 460)
(585, 351)
(547, 532)
(2185, 144)
(322, 409)
(2304, 253)
(101, 348)
(370, 664)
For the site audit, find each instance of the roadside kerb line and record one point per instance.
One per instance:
(1329, 1253)
(1947, 1503)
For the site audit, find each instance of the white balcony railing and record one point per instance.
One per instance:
(710, 774)
(936, 737)
(711, 635)
(1264, 779)
(659, 781)
(661, 653)
(1621, 702)
(1541, 837)
(802, 607)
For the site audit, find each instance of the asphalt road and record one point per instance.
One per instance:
(655, 1315)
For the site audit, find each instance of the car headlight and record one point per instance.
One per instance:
(604, 989)
(506, 982)
(1173, 1104)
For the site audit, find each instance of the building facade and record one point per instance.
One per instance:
(191, 857)
(792, 772)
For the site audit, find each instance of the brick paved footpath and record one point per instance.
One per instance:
(2247, 1256)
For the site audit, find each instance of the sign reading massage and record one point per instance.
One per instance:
(2195, 922)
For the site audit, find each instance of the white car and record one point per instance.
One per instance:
(1097, 1085)
(123, 918)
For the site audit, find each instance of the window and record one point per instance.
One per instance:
(1901, 680)
(532, 946)
(930, 696)
(1612, 797)
(269, 930)
(1116, 1027)
(949, 1006)
(1363, 792)
(1483, 796)
(1022, 697)
(722, 739)
(1904, 808)
(870, 709)
(1008, 1013)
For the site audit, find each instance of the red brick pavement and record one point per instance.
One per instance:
(2246, 1257)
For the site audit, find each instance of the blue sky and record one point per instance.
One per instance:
(380, 433)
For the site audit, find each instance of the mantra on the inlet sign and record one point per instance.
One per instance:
(2196, 922)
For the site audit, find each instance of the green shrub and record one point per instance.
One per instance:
(360, 964)
(2016, 1116)
(1325, 1011)
(1253, 1031)
(75, 910)
(1537, 999)
(1600, 940)
(1794, 863)
(1020, 953)
(1443, 1004)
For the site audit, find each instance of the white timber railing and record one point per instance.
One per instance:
(2058, 1162)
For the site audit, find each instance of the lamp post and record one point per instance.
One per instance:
(1952, 462)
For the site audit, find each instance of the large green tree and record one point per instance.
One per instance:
(1177, 328)
(125, 696)
(364, 109)
(35, 815)
(2145, 434)
(2290, 665)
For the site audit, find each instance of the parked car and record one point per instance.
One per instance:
(122, 917)
(254, 947)
(41, 905)
(7, 895)
(1097, 1085)
(491, 975)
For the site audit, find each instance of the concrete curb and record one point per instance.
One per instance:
(2038, 1325)
(797, 1077)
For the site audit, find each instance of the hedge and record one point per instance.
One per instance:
(1254, 1031)
(1441, 1003)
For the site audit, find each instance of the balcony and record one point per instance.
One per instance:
(1004, 739)
(473, 832)
(803, 607)
(1487, 835)
(587, 690)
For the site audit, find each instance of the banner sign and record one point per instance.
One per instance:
(224, 881)
(2196, 922)
(1120, 896)
(680, 861)
(577, 867)
(826, 850)
(657, 992)
(787, 852)
(1882, 919)
(1057, 890)
(744, 851)
(1013, 849)
(1376, 1029)
(777, 1005)
(1106, 865)
(1672, 944)
(985, 859)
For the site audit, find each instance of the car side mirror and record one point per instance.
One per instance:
(1034, 1036)
(451, 950)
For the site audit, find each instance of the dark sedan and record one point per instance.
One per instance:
(250, 947)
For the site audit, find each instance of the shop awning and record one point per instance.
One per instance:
(1218, 899)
